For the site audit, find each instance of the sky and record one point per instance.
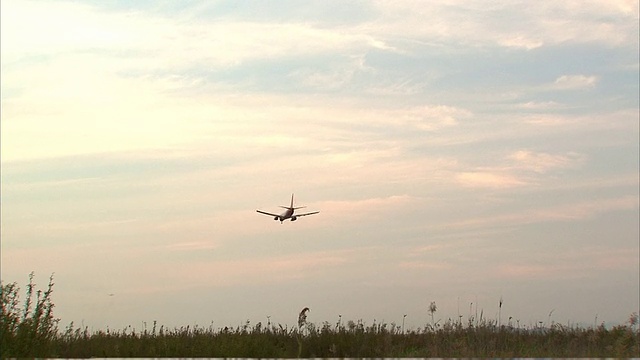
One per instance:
(459, 152)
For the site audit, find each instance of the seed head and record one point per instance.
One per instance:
(302, 317)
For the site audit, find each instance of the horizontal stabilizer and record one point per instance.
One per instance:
(311, 213)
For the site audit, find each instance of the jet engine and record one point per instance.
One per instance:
(276, 218)
(294, 218)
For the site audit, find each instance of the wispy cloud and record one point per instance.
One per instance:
(515, 169)
(564, 265)
(575, 82)
(543, 105)
(488, 179)
(192, 246)
(425, 265)
(566, 212)
(543, 162)
(430, 118)
(262, 270)
(521, 42)
(367, 208)
(535, 25)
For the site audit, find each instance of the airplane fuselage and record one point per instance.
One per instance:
(287, 215)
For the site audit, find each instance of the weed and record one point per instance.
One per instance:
(32, 332)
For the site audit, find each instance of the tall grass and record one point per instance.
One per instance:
(487, 339)
(33, 332)
(32, 329)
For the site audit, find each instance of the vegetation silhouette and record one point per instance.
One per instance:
(32, 331)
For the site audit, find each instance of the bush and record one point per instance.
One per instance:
(30, 331)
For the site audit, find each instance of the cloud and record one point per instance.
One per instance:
(543, 162)
(430, 118)
(395, 87)
(432, 248)
(250, 270)
(486, 179)
(586, 209)
(511, 24)
(592, 127)
(337, 76)
(540, 105)
(157, 41)
(425, 265)
(580, 263)
(367, 208)
(565, 212)
(570, 82)
(192, 246)
(218, 42)
(70, 27)
(521, 42)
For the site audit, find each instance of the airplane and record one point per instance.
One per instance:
(288, 214)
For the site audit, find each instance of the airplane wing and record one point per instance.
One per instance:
(311, 213)
(266, 213)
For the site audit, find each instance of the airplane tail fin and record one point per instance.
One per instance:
(295, 208)
(291, 206)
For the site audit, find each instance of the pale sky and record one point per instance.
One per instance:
(458, 152)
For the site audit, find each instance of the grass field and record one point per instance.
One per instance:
(29, 329)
